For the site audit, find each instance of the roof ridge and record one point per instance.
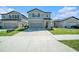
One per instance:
(67, 18)
(10, 12)
(37, 9)
(71, 17)
(15, 11)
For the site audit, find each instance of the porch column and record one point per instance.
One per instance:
(50, 24)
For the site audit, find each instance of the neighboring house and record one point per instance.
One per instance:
(67, 22)
(36, 19)
(13, 19)
(39, 19)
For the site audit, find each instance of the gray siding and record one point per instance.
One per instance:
(36, 12)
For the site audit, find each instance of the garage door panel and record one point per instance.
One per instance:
(10, 25)
(36, 25)
(70, 24)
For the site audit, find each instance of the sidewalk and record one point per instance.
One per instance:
(66, 37)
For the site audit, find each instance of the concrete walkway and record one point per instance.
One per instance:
(66, 37)
(33, 40)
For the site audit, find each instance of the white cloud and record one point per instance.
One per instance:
(4, 9)
(67, 12)
(67, 9)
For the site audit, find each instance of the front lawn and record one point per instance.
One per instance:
(72, 43)
(64, 31)
(5, 33)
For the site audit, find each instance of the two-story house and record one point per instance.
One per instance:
(36, 19)
(12, 19)
(39, 19)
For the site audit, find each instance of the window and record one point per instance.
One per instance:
(46, 15)
(12, 16)
(33, 15)
(16, 16)
(36, 15)
(9, 16)
(3, 16)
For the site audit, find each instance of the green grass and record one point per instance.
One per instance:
(5, 33)
(72, 43)
(64, 31)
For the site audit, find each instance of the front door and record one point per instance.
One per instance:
(46, 25)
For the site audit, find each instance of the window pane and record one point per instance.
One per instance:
(12, 16)
(9, 16)
(33, 15)
(16, 16)
(3, 16)
(38, 14)
(46, 15)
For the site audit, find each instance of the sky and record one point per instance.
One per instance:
(58, 12)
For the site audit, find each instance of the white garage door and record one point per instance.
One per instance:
(70, 24)
(10, 25)
(36, 25)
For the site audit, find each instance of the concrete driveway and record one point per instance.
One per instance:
(33, 40)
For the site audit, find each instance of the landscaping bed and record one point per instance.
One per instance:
(64, 31)
(72, 43)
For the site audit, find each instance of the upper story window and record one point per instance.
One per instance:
(16, 16)
(3, 16)
(13, 16)
(35, 14)
(9, 16)
(47, 16)
(38, 14)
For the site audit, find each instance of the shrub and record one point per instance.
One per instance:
(10, 30)
(75, 26)
(20, 29)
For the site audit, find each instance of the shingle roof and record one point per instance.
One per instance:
(67, 18)
(38, 9)
(14, 11)
(71, 17)
(9, 12)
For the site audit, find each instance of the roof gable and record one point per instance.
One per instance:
(38, 10)
(11, 12)
(71, 17)
(14, 12)
(68, 18)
